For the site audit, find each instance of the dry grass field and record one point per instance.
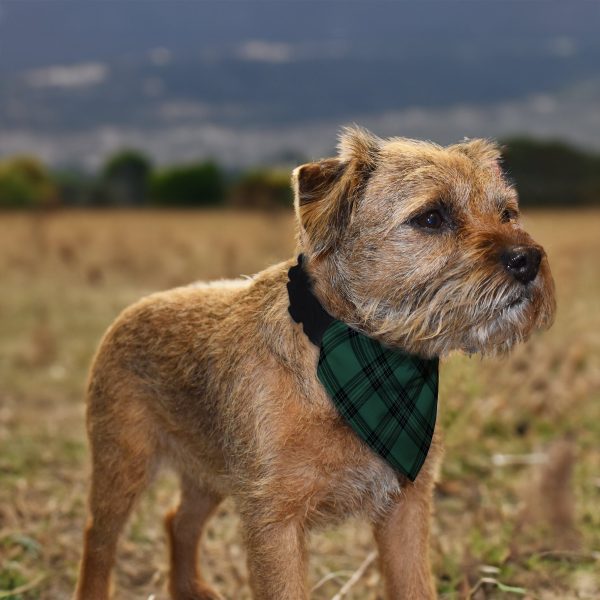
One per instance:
(518, 503)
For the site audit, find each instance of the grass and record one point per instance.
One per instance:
(503, 528)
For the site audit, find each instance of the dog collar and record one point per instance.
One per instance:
(388, 397)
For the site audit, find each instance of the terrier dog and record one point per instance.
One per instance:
(412, 244)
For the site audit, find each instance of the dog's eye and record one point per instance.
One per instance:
(432, 219)
(508, 215)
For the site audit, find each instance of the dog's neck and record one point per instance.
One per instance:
(388, 397)
(316, 306)
(321, 281)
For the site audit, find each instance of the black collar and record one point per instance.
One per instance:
(304, 306)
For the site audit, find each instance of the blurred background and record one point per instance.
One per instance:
(148, 144)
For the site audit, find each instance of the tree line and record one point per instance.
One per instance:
(128, 179)
(547, 174)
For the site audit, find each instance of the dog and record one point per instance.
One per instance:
(415, 245)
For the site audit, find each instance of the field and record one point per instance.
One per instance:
(518, 503)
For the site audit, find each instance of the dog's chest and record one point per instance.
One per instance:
(366, 487)
(338, 475)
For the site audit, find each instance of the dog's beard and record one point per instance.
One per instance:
(498, 334)
(487, 315)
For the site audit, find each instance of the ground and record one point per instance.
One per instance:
(518, 503)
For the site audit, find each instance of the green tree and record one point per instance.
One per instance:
(75, 188)
(126, 177)
(200, 184)
(262, 188)
(552, 173)
(25, 183)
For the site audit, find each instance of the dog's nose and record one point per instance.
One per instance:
(522, 262)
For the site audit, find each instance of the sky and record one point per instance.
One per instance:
(252, 82)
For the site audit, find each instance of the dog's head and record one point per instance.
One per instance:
(420, 245)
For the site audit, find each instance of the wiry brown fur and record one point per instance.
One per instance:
(217, 380)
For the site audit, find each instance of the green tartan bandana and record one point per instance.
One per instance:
(388, 397)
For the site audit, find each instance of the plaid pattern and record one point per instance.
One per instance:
(387, 396)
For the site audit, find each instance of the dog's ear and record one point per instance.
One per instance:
(326, 191)
(483, 152)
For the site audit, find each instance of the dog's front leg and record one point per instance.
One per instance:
(277, 560)
(402, 536)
